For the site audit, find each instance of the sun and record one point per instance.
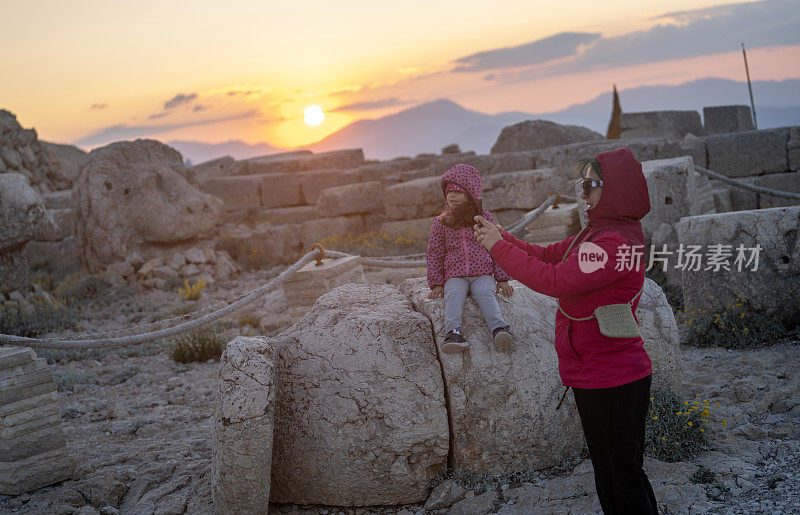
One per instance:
(314, 115)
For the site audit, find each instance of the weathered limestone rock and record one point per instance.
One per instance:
(555, 224)
(363, 197)
(793, 148)
(502, 407)
(57, 199)
(723, 119)
(313, 231)
(132, 196)
(263, 245)
(32, 443)
(21, 152)
(522, 190)
(670, 183)
(773, 288)
(312, 183)
(535, 134)
(414, 199)
(243, 426)
(236, 192)
(304, 160)
(742, 199)
(280, 190)
(274, 215)
(22, 213)
(22, 218)
(220, 167)
(749, 153)
(67, 161)
(304, 287)
(665, 124)
(60, 225)
(360, 416)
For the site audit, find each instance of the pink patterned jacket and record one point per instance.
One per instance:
(456, 253)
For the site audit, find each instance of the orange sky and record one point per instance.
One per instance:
(248, 69)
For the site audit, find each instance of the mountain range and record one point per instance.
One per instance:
(430, 126)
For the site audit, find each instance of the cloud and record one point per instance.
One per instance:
(489, 77)
(99, 106)
(540, 51)
(199, 107)
(157, 115)
(179, 99)
(128, 132)
(679, 35)
(374, 104)
(245, 93)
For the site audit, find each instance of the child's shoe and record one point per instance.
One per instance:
(454, 342)
(503, 340)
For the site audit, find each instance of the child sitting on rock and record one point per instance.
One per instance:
(458, 265)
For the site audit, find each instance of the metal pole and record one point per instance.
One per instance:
(750, 87)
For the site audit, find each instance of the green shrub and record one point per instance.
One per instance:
(81, 285)
(199, 345)
(249, 318)
(731, 328)
(377, 243)
(66, 381)
(676, 429)
(37, 317)
(703, 476)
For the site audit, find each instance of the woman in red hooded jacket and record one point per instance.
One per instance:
(610, 377)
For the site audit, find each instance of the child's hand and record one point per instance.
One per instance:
(437, 292)
(506, 289)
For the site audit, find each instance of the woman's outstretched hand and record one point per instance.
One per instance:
(487, 234)
(505, 288)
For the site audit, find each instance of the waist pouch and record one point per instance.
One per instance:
(614, 320)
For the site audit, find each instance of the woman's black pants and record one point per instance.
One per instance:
(613, 422)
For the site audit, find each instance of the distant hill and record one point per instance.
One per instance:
(430, 126)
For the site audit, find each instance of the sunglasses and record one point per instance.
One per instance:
(588, 184)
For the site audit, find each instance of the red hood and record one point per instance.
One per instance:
(625, 199)
(466, 176)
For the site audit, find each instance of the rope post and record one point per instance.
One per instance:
(558, 198)
(321, 254)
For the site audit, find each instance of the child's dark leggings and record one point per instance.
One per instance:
(613, 422)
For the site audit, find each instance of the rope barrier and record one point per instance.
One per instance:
(744, 185)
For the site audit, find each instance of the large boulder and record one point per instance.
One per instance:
(363, 197)
(722, 119)
(414, 199)
(68, 161)
(502, 407)
(534, 134)
(22, 219)
(303, 160)
(133, 196)
(661, 124)
(670, 183)
(243, 426)
(313, 182)
(21, 152)
(749, 153)
(523, 190)
(772, 288)
(360, 416)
